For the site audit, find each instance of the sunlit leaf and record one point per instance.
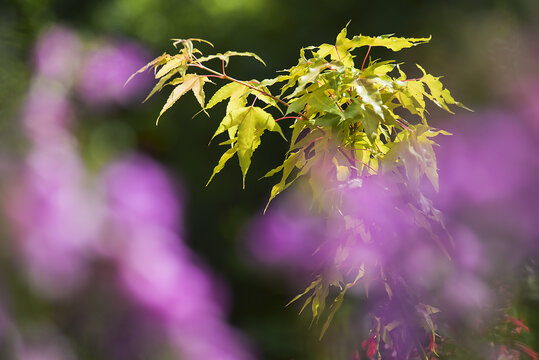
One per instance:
(190, 82)
(235, 91)
(224, 158)
(390, 42)
(226, 56)
(172, 64)
(155, 62)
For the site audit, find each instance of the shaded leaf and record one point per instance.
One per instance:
(332, 310)
(313, 285)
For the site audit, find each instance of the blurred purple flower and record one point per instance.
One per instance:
(106, 70)
(465, 292)
(156, 270)
(489, 159)
(47, 113)
(44, 344)
(211, 339)
(56, 219)
(57, 54)
(286, 236)
(160, 275)
(488, 178)
(64, 221)
(140, 192)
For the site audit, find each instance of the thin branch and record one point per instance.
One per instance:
(288, 117)
(351, 161)
(365, 59)
(226, 77)
(254, 101)
(403, 125)
(337, 51)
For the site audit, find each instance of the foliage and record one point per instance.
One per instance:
(351, 121)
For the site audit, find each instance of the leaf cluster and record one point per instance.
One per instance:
(349, 120)
(346, 120)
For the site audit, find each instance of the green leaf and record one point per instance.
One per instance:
(318, 102)
(370, 96)
(411, 96)
(357, 111)
(390, 42)
(288, 165)
(378, 69)
(273, 171)
(176, 62)
(229, 141)
(190, 82)
(230, 121)
(252, 124)
(332, 310)
(226, 56)
(160, 84)
(188, 47)
(298, 128)
(265, 98)
(309, 77)
(235, 91)
(224, 158)
(198, 90)
(415, 151)
(155, 62)
(440, 96)
(319, 301)
(313, 285)
(339, 51)
(328, 120)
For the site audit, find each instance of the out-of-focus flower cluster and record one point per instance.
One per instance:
(430, 275)
(68, 221)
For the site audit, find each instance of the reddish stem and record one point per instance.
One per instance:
(288, 117)
(337, 51)
(403, 125)
(214, 76)
(226, 77)
(253, 104)
(365, 59)
(352, 160)
(312, 142)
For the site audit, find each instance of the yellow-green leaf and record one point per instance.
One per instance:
(190, 82)
(226, 56)
(253, 121)
(390, 42)
(155, 62)
(224, 158)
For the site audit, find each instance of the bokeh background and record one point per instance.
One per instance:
(112, 247)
